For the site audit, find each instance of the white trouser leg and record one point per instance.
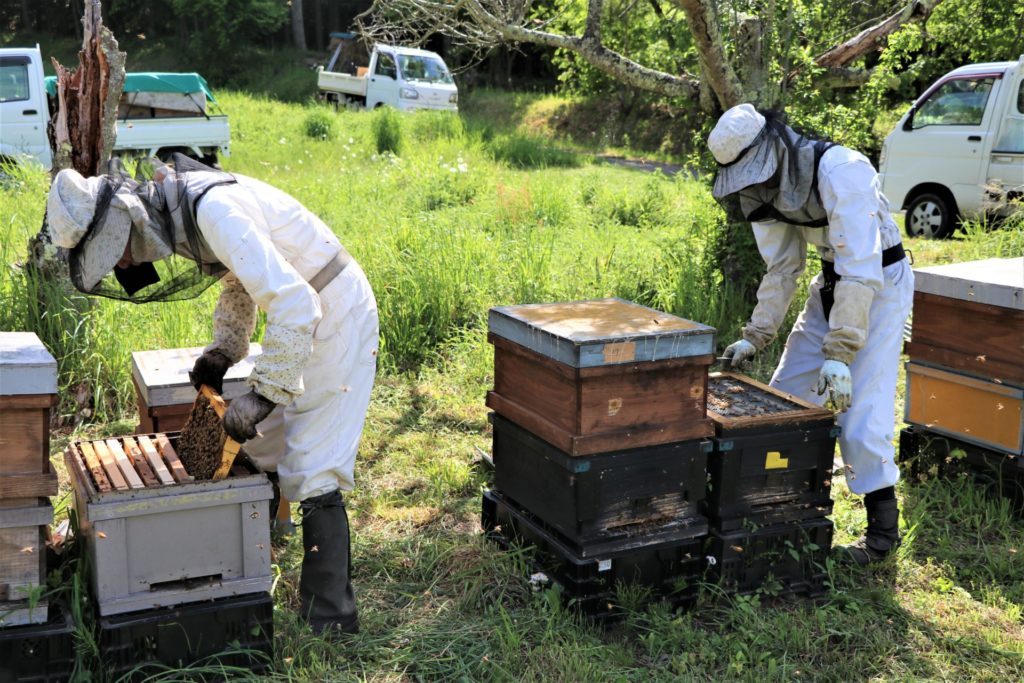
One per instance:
(312, 442)
(868, 426)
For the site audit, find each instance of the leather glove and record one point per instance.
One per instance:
(244, 413)
(835, 378)
(739, 352)
(210, 369)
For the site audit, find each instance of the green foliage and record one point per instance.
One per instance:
(320, 124)
(530, 151)
(387, 130)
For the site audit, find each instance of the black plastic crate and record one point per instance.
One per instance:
(235, 632)
(41, 653)
(769, 515)
(924, 454)
(598, 501)
(783, 558)
(672, 569)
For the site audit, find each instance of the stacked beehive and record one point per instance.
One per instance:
(35, 637)
(180, 566)
(600, 443)
(769, 479)
(965, 374)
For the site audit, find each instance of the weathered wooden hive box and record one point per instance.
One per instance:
(772, 456)
(965, 378)
(969, 318)
(600, 375)
(156, 537)
(163, 391)
(609, 500)
(28, 390)
(976, 410)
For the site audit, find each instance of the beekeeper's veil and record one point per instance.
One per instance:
(773, 168)
(95, 218)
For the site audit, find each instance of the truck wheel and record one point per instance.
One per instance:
(930, 216)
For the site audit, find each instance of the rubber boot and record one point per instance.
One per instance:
(325, 587)
(882, 535)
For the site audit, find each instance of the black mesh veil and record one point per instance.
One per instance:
(776, 176)
(161, 218)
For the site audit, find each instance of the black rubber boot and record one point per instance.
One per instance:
(882, 535)
(325, 587)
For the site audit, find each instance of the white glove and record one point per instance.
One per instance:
(835, 377)
(739, 352)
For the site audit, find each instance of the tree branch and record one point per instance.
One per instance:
(875, 37)
(718, 71)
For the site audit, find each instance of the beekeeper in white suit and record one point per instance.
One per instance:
(845, 345)
(310, 388)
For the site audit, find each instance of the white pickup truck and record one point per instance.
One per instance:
(401, 77)
(959, 151)
(158, 114)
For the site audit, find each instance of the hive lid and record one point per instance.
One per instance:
(162, 375)
(736, 400)
(26, 367)
(600, 332)
(996, 281)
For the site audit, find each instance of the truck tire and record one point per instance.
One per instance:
(931, 216)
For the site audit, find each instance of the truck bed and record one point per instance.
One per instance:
(154, 134)
(332, 81)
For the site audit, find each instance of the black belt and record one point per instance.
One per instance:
(893, 254)
(331, 270)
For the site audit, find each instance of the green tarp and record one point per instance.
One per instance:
(153, 82)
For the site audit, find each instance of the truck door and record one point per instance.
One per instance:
(951, 132)
(383, 86)
(23, 110)
(1007, 166)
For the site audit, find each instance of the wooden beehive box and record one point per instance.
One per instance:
(160, 539)
(23, 563)
(163, 391)
(772, 456)
(969, 317)
(600, 375)
(976, 410)
(28, 390)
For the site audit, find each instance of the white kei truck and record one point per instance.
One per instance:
(959, 151)
(401, 77)
(159, 113)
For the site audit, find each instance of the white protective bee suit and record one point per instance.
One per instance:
(780, 175)
(859, 229)
(319, 349)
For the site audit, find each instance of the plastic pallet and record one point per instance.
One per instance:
(42, 653)
(793, 554)
(925, 453)
(233, 632)
(605, 498)
(672, 569)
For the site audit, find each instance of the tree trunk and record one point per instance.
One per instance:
(27, 20)
(298, 25)
(81, 137)
(318, 24)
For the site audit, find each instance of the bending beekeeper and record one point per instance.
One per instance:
(846, 342)
(310, 387)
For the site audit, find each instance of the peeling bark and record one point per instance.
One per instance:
(718, 70)
(875, 37)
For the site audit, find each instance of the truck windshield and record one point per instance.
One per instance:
(429, 69)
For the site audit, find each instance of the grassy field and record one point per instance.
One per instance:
(464, 214)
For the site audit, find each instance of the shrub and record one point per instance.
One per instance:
(387, 130)
(437, 125)
(319, 125)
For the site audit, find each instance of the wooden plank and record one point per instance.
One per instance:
(24, 440)
(28, 485)
(127, 469)
(28, 401)
(95, 466)
(22, 569)
(159, 468)
(149, 478)
(110, 466)
(173, 464)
